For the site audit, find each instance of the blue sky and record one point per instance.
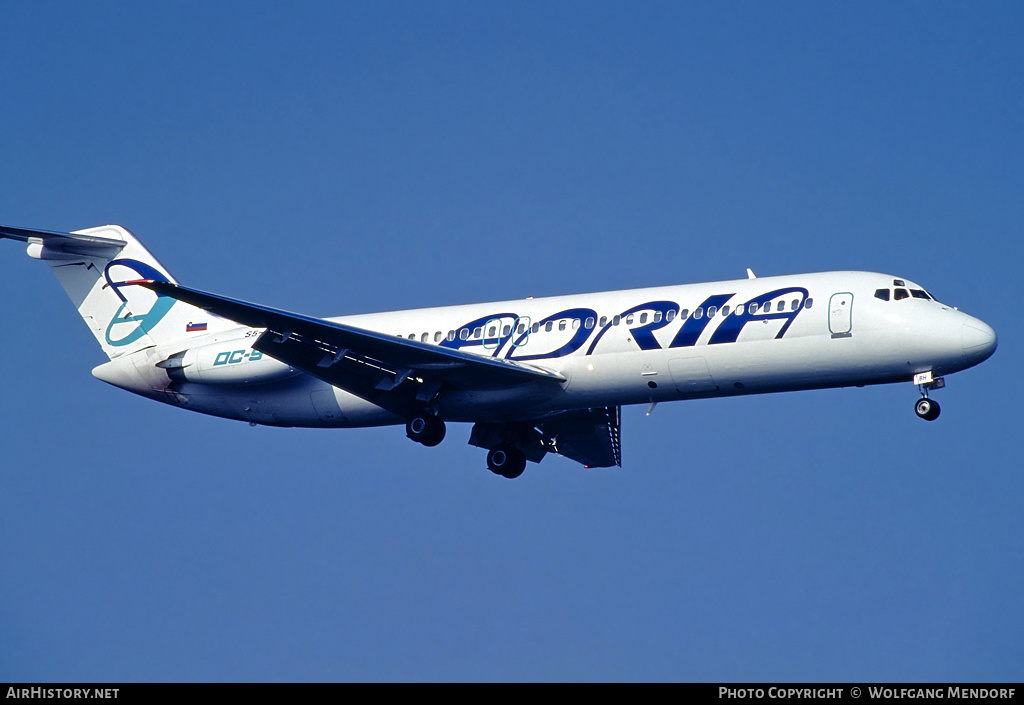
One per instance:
(337, 158)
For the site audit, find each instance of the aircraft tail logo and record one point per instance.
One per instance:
(128, 326)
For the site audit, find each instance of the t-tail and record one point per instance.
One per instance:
(99, 268)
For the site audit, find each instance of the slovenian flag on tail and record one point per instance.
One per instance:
(195, 327)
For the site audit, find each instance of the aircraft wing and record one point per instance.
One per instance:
(589, 436)
(397, 374)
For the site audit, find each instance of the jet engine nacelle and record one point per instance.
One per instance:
(230, 362)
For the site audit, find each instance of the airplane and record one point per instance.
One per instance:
(534, 376)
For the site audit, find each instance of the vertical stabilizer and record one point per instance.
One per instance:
(97, 268)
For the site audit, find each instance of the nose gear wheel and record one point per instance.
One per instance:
(927, 409)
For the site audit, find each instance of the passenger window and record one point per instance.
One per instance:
(549, 326)
(604, 321)
(900, 294)
(477, 332)
(781, 306)
(464, 334)
(424, 337)
(684, 314)
(752, 308)
(561, 325)
(795, 305)
(575, 324)
(590, 323)
(437, 337)
(451, 335)
(521, 328)
(882, 294)
(629, 320)
(698, 313)
(808, 303)
(536, 328)
(491, 331)
(506, 330)
(615, 321)
(712, 310)
(669, 315)
(643, 318)
(657, 317)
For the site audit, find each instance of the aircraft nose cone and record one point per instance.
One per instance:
(978, 339)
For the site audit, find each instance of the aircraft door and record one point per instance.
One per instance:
(691, 375)
(840, 315)
(325, 401)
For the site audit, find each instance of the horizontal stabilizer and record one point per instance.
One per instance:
(64, 243)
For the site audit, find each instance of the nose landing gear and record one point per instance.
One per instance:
(925, 408)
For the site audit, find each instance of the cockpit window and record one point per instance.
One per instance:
(898, 282)
(901, 294)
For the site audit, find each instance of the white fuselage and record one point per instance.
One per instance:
(747, 336)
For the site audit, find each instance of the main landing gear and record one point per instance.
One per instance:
(509, 445)
(506, 460)
(426, 429)
(505, 457)
(925, 408)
